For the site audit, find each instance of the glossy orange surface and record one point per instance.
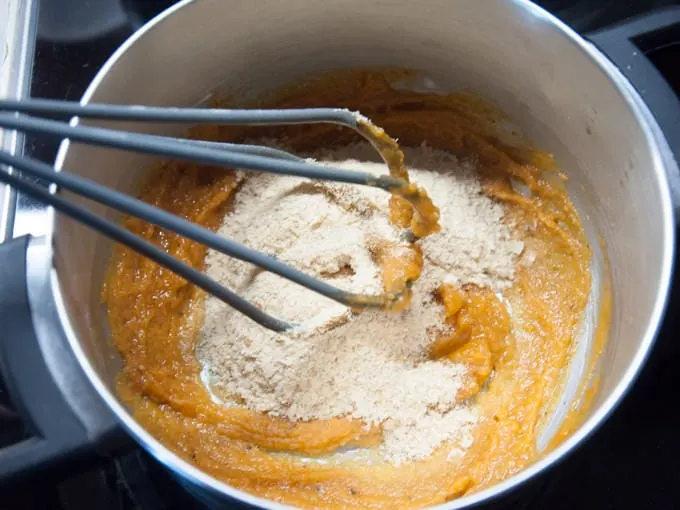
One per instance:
(516, 349)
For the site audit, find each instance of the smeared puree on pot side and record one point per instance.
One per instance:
(505, 340)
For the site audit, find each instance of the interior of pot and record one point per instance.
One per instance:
(507, 52)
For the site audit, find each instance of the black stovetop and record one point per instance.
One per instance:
(632, 461)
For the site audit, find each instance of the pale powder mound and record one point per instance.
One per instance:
(372, 366)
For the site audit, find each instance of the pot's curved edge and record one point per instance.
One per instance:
(154, 447)
(663, 158)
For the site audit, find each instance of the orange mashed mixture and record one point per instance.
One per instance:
(517, 362)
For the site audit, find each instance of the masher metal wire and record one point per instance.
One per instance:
(237, 156)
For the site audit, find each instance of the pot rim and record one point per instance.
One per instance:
(662, 159)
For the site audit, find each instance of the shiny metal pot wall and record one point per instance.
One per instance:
(564, 94)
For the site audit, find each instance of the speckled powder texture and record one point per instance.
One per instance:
(370, 366)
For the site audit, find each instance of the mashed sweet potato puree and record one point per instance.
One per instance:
(517, 360)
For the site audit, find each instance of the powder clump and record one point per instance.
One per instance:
(371, 366)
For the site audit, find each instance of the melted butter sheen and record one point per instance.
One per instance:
(516, 362)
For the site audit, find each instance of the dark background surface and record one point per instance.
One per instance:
(631, 462)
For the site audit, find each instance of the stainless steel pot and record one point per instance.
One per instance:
(560, 89)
